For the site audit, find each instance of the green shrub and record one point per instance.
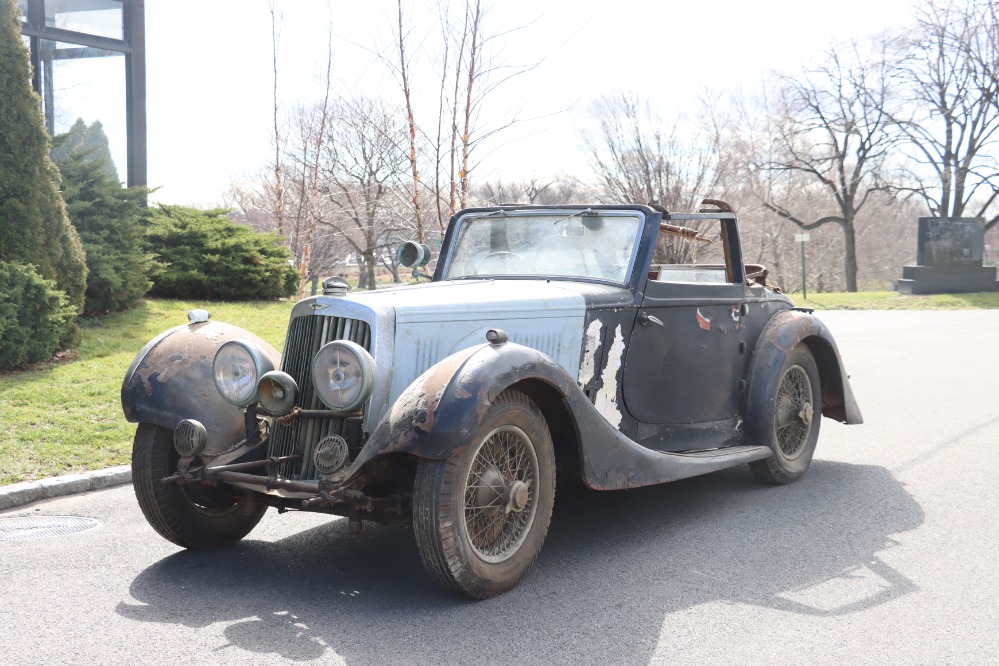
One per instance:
(89, 140)
(201, 254)
(34, 228)
(33, 315)
(108, 218)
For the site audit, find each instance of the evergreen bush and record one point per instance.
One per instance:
(34, 228)
(33, 315)
(108, 218)
(201, 254)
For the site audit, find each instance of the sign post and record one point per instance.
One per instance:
(803, 238)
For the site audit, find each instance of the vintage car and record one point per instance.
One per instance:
(620, 345)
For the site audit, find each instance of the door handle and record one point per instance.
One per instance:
(647, 319)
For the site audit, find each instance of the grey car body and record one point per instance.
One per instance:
(549, 340)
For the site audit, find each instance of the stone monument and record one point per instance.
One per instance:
(949, 258)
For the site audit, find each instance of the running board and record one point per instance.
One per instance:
(635, 466)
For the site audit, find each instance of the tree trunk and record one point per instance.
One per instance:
(850, 263)
(368, 269)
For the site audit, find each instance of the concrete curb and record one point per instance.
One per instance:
(27, 492)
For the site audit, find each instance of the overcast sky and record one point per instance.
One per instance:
(210, 76)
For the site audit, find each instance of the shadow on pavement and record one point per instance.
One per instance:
(614, 567)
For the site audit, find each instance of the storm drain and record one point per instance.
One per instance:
(24, 528)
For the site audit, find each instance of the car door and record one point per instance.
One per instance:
(687, 358)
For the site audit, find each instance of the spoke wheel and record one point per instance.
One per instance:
(499, 505)
(792, 426)
(481, 517)
(793, 417)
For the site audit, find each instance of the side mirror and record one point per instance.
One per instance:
(412, 254)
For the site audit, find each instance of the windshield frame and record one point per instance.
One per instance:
(443, 272)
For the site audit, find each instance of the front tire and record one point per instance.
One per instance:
(191, 516)
(792, 419)
(481, 516)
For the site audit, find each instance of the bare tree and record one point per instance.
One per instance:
(411, 123)
(833, 126)
(469, 71)
(951, 77)
(361, 172)
(637, 158)
(560, 189)
(277, 183)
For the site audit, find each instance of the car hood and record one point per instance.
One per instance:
(434, 320)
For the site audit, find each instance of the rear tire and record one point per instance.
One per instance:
(791, 424)
(193, 515)
(481, 516)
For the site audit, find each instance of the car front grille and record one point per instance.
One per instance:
(306, 335)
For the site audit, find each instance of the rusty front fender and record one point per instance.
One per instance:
(784, 331)
(171, 380)
(439, 414)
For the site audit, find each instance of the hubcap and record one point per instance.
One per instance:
(500, 500)
(793, 417)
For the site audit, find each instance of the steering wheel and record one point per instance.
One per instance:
(501, 258)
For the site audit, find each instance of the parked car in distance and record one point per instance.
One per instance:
(622, 345)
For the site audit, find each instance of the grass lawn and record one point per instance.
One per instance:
(890, 300)
(66, 416)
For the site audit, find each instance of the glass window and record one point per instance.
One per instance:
(583, 244)
(103, 18)
(83, 91)
(691, 253)
(23, 6)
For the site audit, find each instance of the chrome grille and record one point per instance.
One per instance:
(306, 335)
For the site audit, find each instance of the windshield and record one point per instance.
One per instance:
(587, 244)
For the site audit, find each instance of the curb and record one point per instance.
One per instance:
(26, 492)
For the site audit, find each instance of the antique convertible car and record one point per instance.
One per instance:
(621, 345)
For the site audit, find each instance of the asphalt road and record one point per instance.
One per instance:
(885, 553)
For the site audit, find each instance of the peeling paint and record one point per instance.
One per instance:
(606, 401)
(589, 367)
(165, 370)
(703, 321)
(212, 333)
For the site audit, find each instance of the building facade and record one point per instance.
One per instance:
(89, 64)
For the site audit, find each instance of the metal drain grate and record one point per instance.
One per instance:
(23, 528)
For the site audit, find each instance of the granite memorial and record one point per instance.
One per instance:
(949, 258)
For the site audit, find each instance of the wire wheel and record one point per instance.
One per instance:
(481, 516)
(500, 496)
(788, 422)
(793, 416)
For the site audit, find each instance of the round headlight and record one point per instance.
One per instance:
(343, 373)
(237, 367)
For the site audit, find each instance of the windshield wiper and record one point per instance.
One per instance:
(588, 211)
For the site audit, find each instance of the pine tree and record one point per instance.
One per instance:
(89, 140)
(108, 218)
(34, 227)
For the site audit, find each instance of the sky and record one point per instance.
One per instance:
(209, 70)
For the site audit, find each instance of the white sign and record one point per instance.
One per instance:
(801, 238)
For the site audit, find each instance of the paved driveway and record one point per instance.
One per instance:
(886, 552)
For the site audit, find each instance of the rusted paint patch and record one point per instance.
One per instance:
(165, 369)
(423, 396)
(703, 321)
(606, 400)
